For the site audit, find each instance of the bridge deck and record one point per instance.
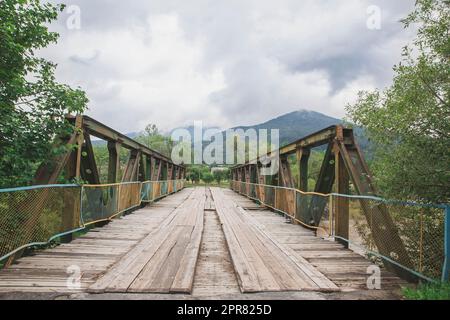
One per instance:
(203, 242)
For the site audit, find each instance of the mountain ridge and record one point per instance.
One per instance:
(296, 124)
(292, 126)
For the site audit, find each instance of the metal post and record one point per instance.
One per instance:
(446, 267)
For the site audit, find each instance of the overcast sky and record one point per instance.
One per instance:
(225, 62)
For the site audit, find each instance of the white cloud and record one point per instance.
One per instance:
(225, 62)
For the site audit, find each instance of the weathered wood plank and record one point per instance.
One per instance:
(274, 267)
(153, 264)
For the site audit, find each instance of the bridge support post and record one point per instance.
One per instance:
(302, 157)
(341, 204)
(89, 171)
(113, 162)
(286, 175)
(148, 168)
(71, 206)
(302, 163)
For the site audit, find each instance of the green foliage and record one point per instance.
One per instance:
(207, 177)
(193, 174)
(156, 141)
(221, 174)
(410, 121)
(101, 155)
(433, 291)
(33, 104)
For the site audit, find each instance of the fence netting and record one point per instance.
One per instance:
(408, 234)
(154, 190)
(303, 208)
(34, 215)
(404, 236)
(38, 214)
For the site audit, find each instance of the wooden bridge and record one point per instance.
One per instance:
(200, 242)
(205, 242)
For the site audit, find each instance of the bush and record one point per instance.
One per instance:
(207, 177)
(435, 291)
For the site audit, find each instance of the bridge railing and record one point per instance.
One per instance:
(37, 215)
(422, 228)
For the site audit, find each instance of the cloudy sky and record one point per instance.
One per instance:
(225, 62)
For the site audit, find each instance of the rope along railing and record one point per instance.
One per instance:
(422, 228)
(37, 215)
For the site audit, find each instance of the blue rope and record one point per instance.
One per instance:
(40, 187)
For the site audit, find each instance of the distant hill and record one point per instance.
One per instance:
(297, 124)
(292, 126)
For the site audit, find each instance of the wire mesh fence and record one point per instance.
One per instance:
(154, 190)
(33, 216)
(301, 207)
(404, 236)
(99, 202)
(37, 215)
(103, 202)
(408, 234)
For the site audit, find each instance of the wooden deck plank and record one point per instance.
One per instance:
(342, 266)
(163, 249)
(264, 256)
(152, 265)
(94, 253)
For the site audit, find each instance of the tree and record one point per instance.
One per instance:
(207, 177)
(101, 155)
(218, 176)
(193, 174)
(221, 174)
(226, 174)
(33, 104)
(156, 141)
(409, 122)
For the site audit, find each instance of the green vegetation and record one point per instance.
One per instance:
(151, 138)
(101, 154)
(207, 178)
(203, 175)
(33, 104)
(410, 120)
(221, 174)
(430, 291)
(409, 126)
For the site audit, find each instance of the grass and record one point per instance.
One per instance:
(429, 291)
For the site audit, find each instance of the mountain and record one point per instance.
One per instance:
(299, 124)
(295, 125)
(292, 126)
